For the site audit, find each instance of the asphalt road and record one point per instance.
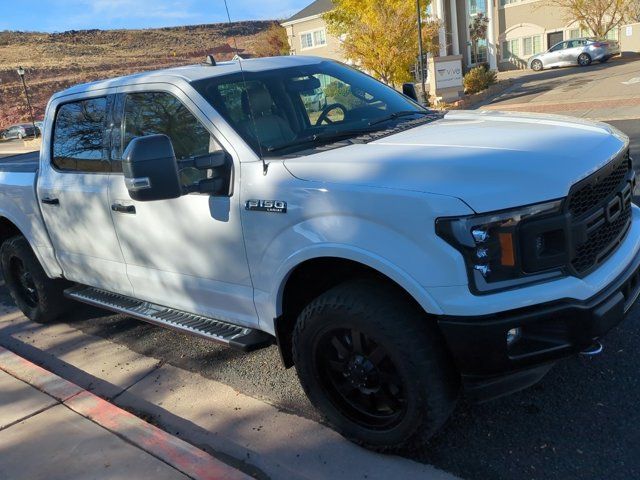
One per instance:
(580, 422)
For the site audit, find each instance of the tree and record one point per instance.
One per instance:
(478, 31)
(273, 42)
(599, 16)
(380, 36)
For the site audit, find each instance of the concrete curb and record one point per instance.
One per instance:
(177, 453)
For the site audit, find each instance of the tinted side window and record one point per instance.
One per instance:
(79, 136)
(152, 113)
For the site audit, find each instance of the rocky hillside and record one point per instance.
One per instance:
(58, 60)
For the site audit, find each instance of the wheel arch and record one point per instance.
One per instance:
(10, 228)
(312, 276)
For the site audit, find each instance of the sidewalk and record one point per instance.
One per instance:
(53, 429)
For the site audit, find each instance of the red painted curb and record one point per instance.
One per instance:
(38, 377)
(181, 455)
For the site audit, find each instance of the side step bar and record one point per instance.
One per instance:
(235, 336)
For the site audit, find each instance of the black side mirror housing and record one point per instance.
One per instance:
(409, 89)
(150, 169)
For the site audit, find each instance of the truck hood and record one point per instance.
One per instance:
(490, 160)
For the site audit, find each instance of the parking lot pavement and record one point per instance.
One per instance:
(15, 147)
(609, 91)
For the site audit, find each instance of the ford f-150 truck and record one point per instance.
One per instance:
(399, 257)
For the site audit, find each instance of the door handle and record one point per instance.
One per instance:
(120, 208)
(50, 201)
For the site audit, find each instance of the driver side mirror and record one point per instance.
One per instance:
(150, 169)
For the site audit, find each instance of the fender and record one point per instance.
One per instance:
(269, 304)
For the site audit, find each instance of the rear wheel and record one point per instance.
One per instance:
(39, 297)
(584, 59)
(374, 366)
(536, 65)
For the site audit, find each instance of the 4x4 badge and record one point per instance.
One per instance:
(273, 206)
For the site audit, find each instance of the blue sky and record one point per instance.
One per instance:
(60, 15)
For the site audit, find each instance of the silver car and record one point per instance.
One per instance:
(578, 51)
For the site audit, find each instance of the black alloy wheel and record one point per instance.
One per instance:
(361, 378)
(23, 280)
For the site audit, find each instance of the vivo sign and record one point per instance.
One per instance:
(448, 74)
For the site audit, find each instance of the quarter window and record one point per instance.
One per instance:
(79, 136)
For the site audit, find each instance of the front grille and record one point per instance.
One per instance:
(600, 208)
(594, 193)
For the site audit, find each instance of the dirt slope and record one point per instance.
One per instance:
(58, 60)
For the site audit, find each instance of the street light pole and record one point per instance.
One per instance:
(20, 71)
(420, 55)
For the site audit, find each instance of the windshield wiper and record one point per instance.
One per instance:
(394, 115)
(322, 138)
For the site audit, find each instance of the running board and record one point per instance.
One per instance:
(235, 336)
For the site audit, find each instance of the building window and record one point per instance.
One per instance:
(574, 33)
(508, 2)
(531, 45)
(612, 34)
(510, 49)
(317, 38)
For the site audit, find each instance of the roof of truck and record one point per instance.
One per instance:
(191, 73)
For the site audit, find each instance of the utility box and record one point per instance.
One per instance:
(629, 36)
(445, 78)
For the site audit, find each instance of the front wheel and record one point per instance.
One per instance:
(375, 366)
(39, 297)
(584, 59)
(536, 65)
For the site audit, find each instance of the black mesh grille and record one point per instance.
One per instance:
(587, 205)
(601, 243)
(593, 194)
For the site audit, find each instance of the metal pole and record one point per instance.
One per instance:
(420, 55)
(26, 93)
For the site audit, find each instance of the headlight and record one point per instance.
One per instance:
(506, 249)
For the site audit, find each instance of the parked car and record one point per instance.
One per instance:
(579, 51)
(19, 131)
(399, 257)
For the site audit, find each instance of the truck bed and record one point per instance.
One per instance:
(24, 163)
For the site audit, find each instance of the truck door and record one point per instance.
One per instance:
(187, 253)
(73, 189)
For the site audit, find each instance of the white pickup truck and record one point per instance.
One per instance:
(399, 257)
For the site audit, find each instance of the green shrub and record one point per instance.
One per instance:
(478, 79)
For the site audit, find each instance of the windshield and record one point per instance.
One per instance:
(292, 109)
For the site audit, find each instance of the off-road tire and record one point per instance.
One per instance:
(50, 302)
(414, 346)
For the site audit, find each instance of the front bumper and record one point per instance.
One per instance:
(549, 331)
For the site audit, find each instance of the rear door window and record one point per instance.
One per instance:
(79, 140)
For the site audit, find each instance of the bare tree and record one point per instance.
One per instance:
(599, 16)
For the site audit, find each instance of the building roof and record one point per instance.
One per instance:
(316, 8)
(191, 73)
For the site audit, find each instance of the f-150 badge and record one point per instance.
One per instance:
(273, 206)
